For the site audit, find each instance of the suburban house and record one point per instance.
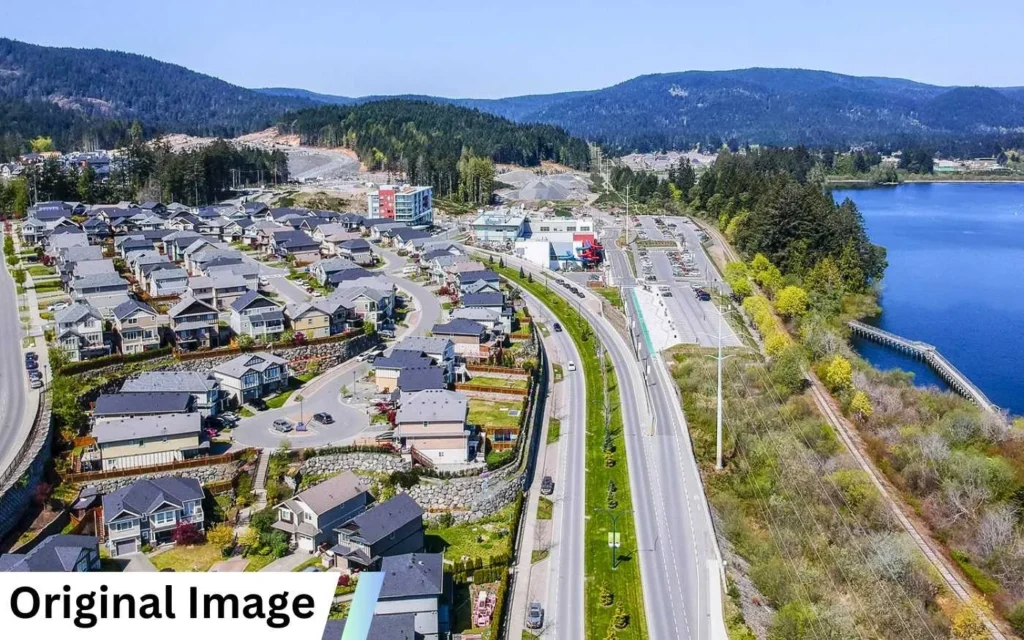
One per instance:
(413, 379)
(57, 553)
(309, 517)
(257, 316)
(130, 442)
(491, 302)
(297, 244)
(102, 289)
(479, 282)
(491, 320)
(203, 387)
(415, 584)
(440, 350)
(247, 271)
(386, 529)
(322, 270)
(251, 376)
(433, 422)
(147, 512)
(80, 332)
(111, 406)
(194, 324)
(167, 282)
(357, 250)
(137, 326)
(369, 304)
(218, 291)
(470, 338)
(320, 317)
(387, 369)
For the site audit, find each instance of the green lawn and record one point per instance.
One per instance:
(47, 287)
(197, 558)
(544, 508)
(315, 561)
(483, 538)
(554, 430)
(493, 413)
(245, 412)
(257, 562)
(41, 271)
(612, 295)
(625, 580)
(499, 383)
(538, 555)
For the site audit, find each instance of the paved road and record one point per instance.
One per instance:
(14, 392)
(674, 535)
(324, 393)
(564, 607)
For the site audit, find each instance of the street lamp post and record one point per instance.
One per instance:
(302, 414)
(614, 541)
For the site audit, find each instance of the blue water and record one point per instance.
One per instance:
(955, 279)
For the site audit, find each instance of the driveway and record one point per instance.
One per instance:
(288, 563)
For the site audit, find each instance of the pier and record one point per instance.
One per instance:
(930, 354)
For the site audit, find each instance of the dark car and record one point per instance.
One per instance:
(31, 365)
(547, 486)
(323, 418)
(259, 404)
(31, 355)
(35, 375)
(558, 327)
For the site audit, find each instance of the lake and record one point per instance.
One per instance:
(955, 279)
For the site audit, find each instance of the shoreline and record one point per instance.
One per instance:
(868, 183)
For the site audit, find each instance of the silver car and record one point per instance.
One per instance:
(535, 616)
(282, 425)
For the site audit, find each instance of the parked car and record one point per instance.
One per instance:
(571, 366)
(31, 364)
(35, 375)
(35, 384)
(228, 417)
(535, 616)
(259, 404)
(264, 281)
(30, 356)
(59, 306)
(558, 328)
(283, 425)
(323, 418)
(547, 486)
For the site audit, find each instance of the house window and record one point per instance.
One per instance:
(273, 373)
(307, 516)
(124, 525)
(164, 517)
(284, 515)
(250, 379)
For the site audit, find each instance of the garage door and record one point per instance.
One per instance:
(125, 546)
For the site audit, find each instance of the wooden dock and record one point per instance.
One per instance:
(930, 354)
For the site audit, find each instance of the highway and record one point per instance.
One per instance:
(14, 392)
(678, 557)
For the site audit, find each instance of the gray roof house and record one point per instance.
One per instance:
(131, 442)
(394, 626)
(194, 324)
(203, 387)
(148, 510)
(251, 376)
(385, 529)
(433, 422)
(57, 553)
(415, 583)
(257, 316)
(118, 405)
(79, 332)
(310, 516)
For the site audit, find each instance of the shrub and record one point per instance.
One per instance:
(222, 535)
(607, 597)
(1016, 617)
(187, 533)
(621, 619)
(791, 302)
(838, 374)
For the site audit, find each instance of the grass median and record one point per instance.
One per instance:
(624, 580)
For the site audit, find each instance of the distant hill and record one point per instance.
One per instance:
(763, 106)
(79, 95)
(112, 85)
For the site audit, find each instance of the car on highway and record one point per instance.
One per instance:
(558, 328)
(283, 425)
(535, 616)
(323, 418)
(547, 486)
(571, 366)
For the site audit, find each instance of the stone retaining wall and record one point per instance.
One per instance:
(205, 475)
(361, 461)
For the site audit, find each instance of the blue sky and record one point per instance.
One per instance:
(494, 48)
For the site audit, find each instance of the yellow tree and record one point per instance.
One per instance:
(791, 302)
(860, 405)
(838, 374)
(967, 623)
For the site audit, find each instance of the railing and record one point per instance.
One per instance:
(206, 461)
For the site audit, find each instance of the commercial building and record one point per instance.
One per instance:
(411, 205)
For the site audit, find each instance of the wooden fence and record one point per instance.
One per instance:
(206, 461)
(481, 388)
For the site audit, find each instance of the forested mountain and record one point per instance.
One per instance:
(425, 140)
(121, 86)
(770, 107)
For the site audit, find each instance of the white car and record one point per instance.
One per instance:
(264, 281)
(572, 366)
(60, 306)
